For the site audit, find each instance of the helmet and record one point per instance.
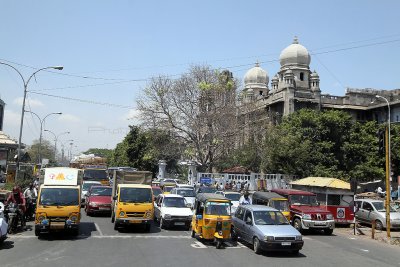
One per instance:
(246, 193)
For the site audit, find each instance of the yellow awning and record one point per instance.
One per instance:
(322, 182)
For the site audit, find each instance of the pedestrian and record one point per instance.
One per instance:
(245, 199)
(238, 186)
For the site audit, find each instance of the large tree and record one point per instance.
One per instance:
(46, 150)
(199, 108)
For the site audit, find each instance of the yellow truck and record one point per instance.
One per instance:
(132, 199)
(59, 201)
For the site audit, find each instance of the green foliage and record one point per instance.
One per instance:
(46, 150)
(100, 152)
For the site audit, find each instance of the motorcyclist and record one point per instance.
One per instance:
(18, 198)
(245, 199)
(30, 195)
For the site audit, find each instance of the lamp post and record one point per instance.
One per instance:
(25, 82)
(55, 141)
(388, 166)
(41, 130)
(62, 149)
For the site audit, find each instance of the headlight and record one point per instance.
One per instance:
(93, 204)
(148, 213)
(167, 216)
(329, 216)
(121, 214)
(307, 216)
(41, 218)
(74, 218)
(299, 237)
(269, 238)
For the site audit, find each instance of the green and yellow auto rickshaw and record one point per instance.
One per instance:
(212, 218)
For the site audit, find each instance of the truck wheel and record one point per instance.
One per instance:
(256, 245)
(147, 228)
(297, 224)
(328, 231)
(378, 225)
(115, 225)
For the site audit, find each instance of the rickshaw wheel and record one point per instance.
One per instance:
(219, 244)
(193, 234)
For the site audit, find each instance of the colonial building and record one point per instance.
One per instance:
(296, 87)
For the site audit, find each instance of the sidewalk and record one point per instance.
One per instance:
(365, 232)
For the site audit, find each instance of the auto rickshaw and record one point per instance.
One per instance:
(212, 218)
(273, 200)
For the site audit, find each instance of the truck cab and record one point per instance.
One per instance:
(132, 199)
(59, 201)
(305, 211)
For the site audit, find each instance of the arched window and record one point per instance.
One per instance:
(301, 76)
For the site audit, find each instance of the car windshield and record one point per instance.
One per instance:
(157, 191)
(269, 218)
(59, 197)
(168, 188)
(207, 190)
(232, 196)
(281, 205)
(303, 200)
(94, 175)
(175, 202)
(218, 208)
(380, 206)
(87, 186)
(135, 195)
(101, 191)
(185, 193)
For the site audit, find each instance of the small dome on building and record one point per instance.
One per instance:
(275, 78)
(314, 75)
(295, 54)
(256, 76)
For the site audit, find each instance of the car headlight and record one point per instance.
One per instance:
(167, 216)
(329, 216)
(93, 204)
(121, 214)
(41, 218)
(269, 238)
(74, 218)
(299, 237)
(307, 216)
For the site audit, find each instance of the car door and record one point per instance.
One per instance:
(367, 212)
(248, 226)
(238, 221)
(357, 211)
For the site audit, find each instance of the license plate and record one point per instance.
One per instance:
(286, 243)
(320, 223)
(134, 221)
(104, 208)
(179, 223)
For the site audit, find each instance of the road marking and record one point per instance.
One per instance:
(198, 244)
(143, 236)
(365, 250)
(98, 229)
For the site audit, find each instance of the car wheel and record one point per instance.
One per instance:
(256, 245)
(297, 224)
(328, 231)
(378, 225)
(37, 232)
(234, 235)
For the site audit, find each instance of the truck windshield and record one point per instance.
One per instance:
(303, 200)
(135, 195)
(175, 202)
(218, 208)
(233, 196)
(59, 197)
(94, 175)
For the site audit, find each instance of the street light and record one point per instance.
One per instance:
(62, 149)
(388, 170)
(55, 140)
(41, 129)
(23, 106)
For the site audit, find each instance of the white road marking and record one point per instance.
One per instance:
(365, 250)
(143, 236)
(98, 229)
(198, 244)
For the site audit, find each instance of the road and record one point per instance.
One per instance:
(98, 244)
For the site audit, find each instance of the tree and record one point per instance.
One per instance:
(199, 108)
(46, 150)
(100, 152)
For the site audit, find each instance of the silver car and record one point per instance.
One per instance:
(266, 229)
(369, 210)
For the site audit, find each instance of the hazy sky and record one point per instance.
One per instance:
(109, 49)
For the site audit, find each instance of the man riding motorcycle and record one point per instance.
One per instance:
(30, 195)
(18, 198)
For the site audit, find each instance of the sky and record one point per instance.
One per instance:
(109, 50)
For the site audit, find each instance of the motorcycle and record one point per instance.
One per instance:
(3, 224)
(30, 209)
(13, 215)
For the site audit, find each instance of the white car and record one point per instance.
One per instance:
(233, 197)
(85, 189)
(171, 210)
(187, 193)
(3, 224)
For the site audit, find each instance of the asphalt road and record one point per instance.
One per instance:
(98, 244)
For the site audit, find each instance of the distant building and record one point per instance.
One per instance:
(295, 87)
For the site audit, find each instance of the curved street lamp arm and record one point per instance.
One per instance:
(22, 77)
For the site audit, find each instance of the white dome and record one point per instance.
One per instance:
(295, 54)
(256, 76)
